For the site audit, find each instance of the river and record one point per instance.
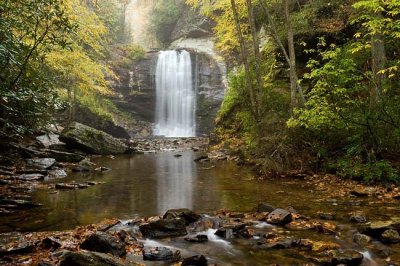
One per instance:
(151, 183)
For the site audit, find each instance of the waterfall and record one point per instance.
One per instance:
(175, 95)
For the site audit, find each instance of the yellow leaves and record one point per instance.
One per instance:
(78, 70)
(91, 31)
(391, 72)
(221, 12)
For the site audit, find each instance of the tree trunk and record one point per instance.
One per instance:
(244, 56)
(288, 58)
(256, 47)
(292, 55)
(378, 63)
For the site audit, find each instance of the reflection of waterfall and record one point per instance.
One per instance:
(175, 182)
(175, 102)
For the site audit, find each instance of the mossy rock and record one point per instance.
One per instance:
(92, 141)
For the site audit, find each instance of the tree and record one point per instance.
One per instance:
(28, 30)
(289, 54)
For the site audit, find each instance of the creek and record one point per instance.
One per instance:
(151, 183)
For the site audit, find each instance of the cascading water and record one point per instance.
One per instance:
(175, 95)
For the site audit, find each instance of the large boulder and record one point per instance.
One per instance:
(104, 243)
(90, 140)
(164, 228)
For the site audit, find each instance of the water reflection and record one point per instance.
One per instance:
(175, 179)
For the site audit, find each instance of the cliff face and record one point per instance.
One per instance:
(136, 85)
(137, 92)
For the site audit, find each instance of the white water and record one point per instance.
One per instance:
(175, 95)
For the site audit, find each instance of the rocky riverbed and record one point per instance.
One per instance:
(183, 237)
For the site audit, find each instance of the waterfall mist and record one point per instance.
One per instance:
(175, 95)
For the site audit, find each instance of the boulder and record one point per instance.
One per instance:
(91, 140)
(157, 254)
(361, 239)
(51, 243)
(186, 214)
(104, 243)
(390, 236)
(41, 163)
(164, 228)
(358, 217)
(82, 258)
(376, 229)
(280, 217)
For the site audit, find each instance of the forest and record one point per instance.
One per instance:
(309, 112)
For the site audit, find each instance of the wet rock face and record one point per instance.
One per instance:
(138, 92)
(164, 228)
(104, 243)
(90, 140)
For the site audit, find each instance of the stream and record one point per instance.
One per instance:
(149, 184)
